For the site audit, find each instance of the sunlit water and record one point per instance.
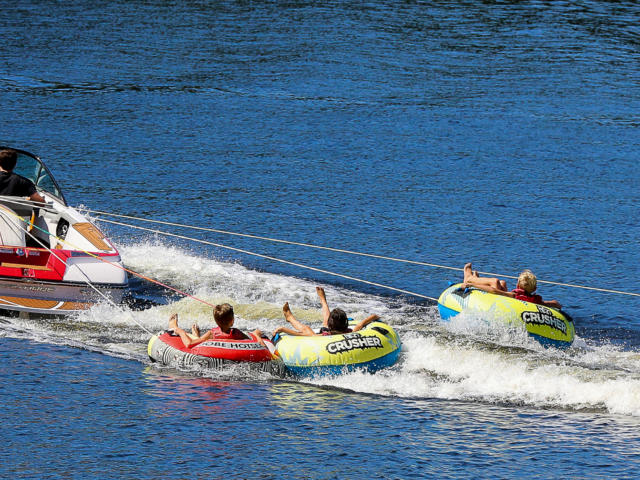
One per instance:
(506, 135)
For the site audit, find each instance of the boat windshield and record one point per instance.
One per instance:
(32, 168)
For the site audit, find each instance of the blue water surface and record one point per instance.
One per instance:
(502, 133)
(121, 422)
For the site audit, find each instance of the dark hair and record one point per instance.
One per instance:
(338, 321)
(8, 159)
(223, 315)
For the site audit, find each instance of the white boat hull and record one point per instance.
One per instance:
(26, 295)
(52, 258)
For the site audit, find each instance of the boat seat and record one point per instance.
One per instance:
(12, 228)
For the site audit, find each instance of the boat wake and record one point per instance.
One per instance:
(464, 360)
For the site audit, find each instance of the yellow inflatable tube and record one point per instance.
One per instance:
(374, 347)
(547, 325)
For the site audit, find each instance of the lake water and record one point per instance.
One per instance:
(504, 134)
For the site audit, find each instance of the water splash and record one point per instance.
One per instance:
(466, 359)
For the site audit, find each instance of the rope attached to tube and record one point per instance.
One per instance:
(339, 250)
(267, 257)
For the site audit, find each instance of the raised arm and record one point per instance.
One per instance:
(365, 322)
(324, 306)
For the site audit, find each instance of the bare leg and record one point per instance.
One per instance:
(173, 321)
(173, 325)
(300, 327)
(325, 307)
(195, 332)
(472, 279)
(468, 272)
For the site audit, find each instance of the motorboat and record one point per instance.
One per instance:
(53, 259)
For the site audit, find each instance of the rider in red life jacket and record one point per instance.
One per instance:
(224, 317)
(527, 284)
(521, 294)
(335, 322)
(232, 334)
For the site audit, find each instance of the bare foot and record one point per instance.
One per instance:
(173, 321)
(468, 272)
(287, 312)
(195, 329)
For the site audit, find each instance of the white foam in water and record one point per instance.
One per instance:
(474, 325)
(449, 371)
(215, 281)
(464, 359)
